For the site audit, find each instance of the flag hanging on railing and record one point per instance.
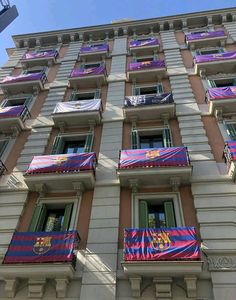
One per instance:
(144, 42)
(131, 101)
(92, 48)
(11, 111)
(42, 247)
(215, 57)
(179, 243)
(40, 54)
(154, 157)
(192, 36)
(230, 151)
(23, 77)
(76, 106)
(222, 93)
(135, 66)
(78, 72)
(62, 163)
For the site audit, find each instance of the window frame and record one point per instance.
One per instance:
(76, 201)
(219, 49)
(82, 65)
(158, 85)
(154, 57)
(96, 92)
(29, 99)
(160, 197)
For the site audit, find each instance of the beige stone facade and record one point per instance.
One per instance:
(106, 202)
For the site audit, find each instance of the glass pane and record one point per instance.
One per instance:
(91, 66)
(205, 52)
(84, 96)
(148, 90)
(54, 220)
(156, 216)
(151, 141)
(74, 147)
(144, 59)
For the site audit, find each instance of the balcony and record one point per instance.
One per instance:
(50, 254)
(154, 166)
(12, 118)
(196, 40)
(146, 70)
(166, 254)
(24, 83)
(61, 172)
(222, 98)
(35, 58)
(90, 77)
(144, 46)
(230, 158)
(100, 51)
(76, 113)
(149, 107)
(215, 63)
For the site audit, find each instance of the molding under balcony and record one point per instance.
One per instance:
(146, 75)
(12, 125)
(33, 86)
(224, 106)
(147, 50)
(91, 81)
(42, 61)
(155, 176)
(58, 182)
(207, 42)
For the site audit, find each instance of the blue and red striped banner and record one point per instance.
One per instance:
(222, 93)
(143, 43)
(94, 48)
(179, 243)
(193, 36)
(24, 77)
(79, 72)
(215, 57)
(38, 247)
(62, 163)
(40, 54)
(230, 150)
(11, 111)
(150, 64)
(154, 157)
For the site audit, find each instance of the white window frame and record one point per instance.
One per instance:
(64, 201)
(154, 131)
(17, 97)
(160, 197)
(86, 92)
(146, 86)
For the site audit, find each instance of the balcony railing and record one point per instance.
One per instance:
(143, 43)
(25, 78)
(90, 49)
(154, 157)
(42, 247)
(149, 244)
(19, 111)
(62, 163)
(94, 71)
(77, 112)
(2, 168)
(195, 36)
(145, 65)
(148, 107)
(35, 55)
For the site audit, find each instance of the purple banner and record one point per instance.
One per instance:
(94, 48)
(230, 151)
(215, 57)
(222, 93)
(11, 111)
(204, 35)
(40, 54)
(154, 157)
(42, 247)
(131, 101)
(146, 65)
(180, 243)
(62, 163)
(78, 72)
(143, 43)
(77, 106)
(24, 77)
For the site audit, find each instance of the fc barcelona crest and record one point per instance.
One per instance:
(42, 245)
(161, 241)
(152, 154)
(60, 159)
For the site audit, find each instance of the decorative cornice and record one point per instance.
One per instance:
(222, 263)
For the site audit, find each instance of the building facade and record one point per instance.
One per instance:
(124, 135)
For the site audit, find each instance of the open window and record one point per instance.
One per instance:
(231, 130)
(67, 144)
(148, 89)
(90, 65)
(208, 51)
(223, 82)
(151, 138)
(89, 95)
(51, 217)
(33, 70)
(157, 211)
(17, 100)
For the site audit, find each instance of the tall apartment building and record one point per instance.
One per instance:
(124, 135)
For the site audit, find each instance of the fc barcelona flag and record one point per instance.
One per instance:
(161, 244)
(42, 247)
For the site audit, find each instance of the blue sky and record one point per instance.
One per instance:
(44, 15)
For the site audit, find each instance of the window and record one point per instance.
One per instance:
(151, 138)
(210, 51)
(24, 100)
(231, 130)
(3, 146)
(222, 82)
(147, 58)
(148, 90)
(51, 217)
(64, 144)
(91, 65)
(157, 210)
(35, 70)
(76, 95)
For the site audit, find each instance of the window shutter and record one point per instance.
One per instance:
(58, 143)
(135, 139)
(167, 137)
(211, 83)
(160, 89)
(88, 142)
(73, 96)
(67, 216)
(143, 214)
(38, 218)
(198, 52)
(221, 50)
(169, 214)
(231, 131)
(97, 94)
(3, 146)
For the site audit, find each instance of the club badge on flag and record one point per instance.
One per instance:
(42, 245)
